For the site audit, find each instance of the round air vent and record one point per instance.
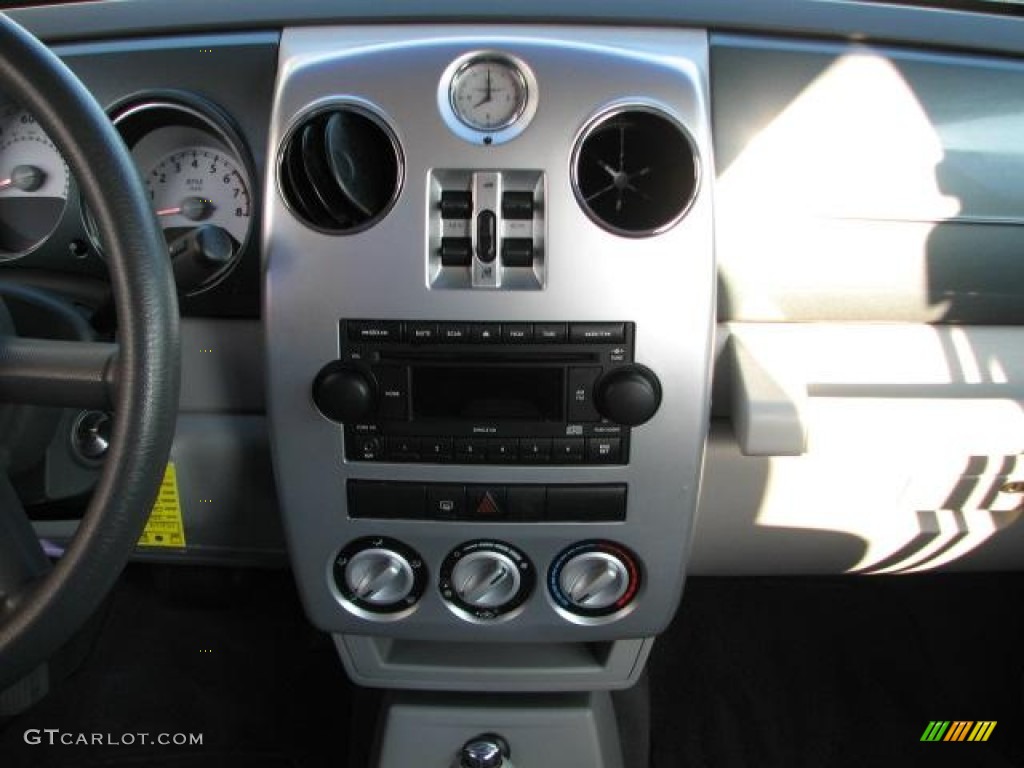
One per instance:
(340, 169)
(635, 172)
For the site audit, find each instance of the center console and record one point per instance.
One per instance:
(489, 301)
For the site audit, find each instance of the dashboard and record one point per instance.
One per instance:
(497, 330)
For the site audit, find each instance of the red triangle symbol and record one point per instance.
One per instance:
(487, 506)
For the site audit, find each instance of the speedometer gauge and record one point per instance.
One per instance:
(200, 185)
(34, 182)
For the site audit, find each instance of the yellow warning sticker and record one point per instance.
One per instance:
(165, 527)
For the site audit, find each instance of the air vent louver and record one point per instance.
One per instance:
(340, 170)
(635, 172)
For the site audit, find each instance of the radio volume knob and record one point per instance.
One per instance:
(629, 395)
(345, 393)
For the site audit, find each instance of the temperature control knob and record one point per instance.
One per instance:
(486, 579)
(345, 392)
(629, 395)
(379, 575)
(594, 579)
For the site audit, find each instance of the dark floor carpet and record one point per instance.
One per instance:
(790, 673)
(220, 653)
(770, 673)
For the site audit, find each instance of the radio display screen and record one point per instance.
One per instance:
(488, 393)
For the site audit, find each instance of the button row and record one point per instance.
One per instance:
(394, 331)
(495, 450)
(458, 251)
(458, 204)
(487, 503)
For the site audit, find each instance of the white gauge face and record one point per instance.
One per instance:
(200, 185)
(34, 183)
(488, 94)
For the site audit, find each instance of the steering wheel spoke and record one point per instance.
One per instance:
(72, 374)
(22, 561)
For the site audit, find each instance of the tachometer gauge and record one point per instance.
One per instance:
(34, 181)
(200, 185)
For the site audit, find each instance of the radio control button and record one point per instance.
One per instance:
(367, 448)
(567, 450)
(535, 450)
(436, 449)
(393, 389)
(486, 236)
(446, 502)
(501, 451)
(485, 333)
(581, 394)
(549, 333)
(486, 502)
(597, 333)
(604, 450)
(470, 450)
(517, 333)
(403, 448)
(374, 331)
(422, 333)
(454, 333)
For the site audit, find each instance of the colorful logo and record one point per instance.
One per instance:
(958, 730)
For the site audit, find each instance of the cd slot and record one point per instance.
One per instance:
(501, 355)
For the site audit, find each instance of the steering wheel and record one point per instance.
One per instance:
(41, 607)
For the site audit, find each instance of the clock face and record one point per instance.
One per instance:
(488, 94)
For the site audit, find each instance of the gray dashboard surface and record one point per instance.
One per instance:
(830, 18)
(863, 182)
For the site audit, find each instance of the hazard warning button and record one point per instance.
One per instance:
(486, 502)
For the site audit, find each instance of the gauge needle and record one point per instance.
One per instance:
(192, 208)
(27, 178)
(487, 92)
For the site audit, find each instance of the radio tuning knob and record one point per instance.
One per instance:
(345, 393)
(629, 395)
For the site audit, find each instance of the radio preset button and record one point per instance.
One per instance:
(501, 451)
(549, 333)
(568, 450)
(470, 450)
(436, 449)
(403, 448)
(604, 450)
(374, 330)
(535, 450)
(517, 333)
(597, 333)
(485, 333)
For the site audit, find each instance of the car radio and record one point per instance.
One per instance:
(487, 393)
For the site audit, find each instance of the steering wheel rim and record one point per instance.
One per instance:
(53, 607)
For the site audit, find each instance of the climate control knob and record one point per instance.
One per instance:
(486, 580)
(379, 575)
(594, 579)
(629, 395)
(345, 392)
